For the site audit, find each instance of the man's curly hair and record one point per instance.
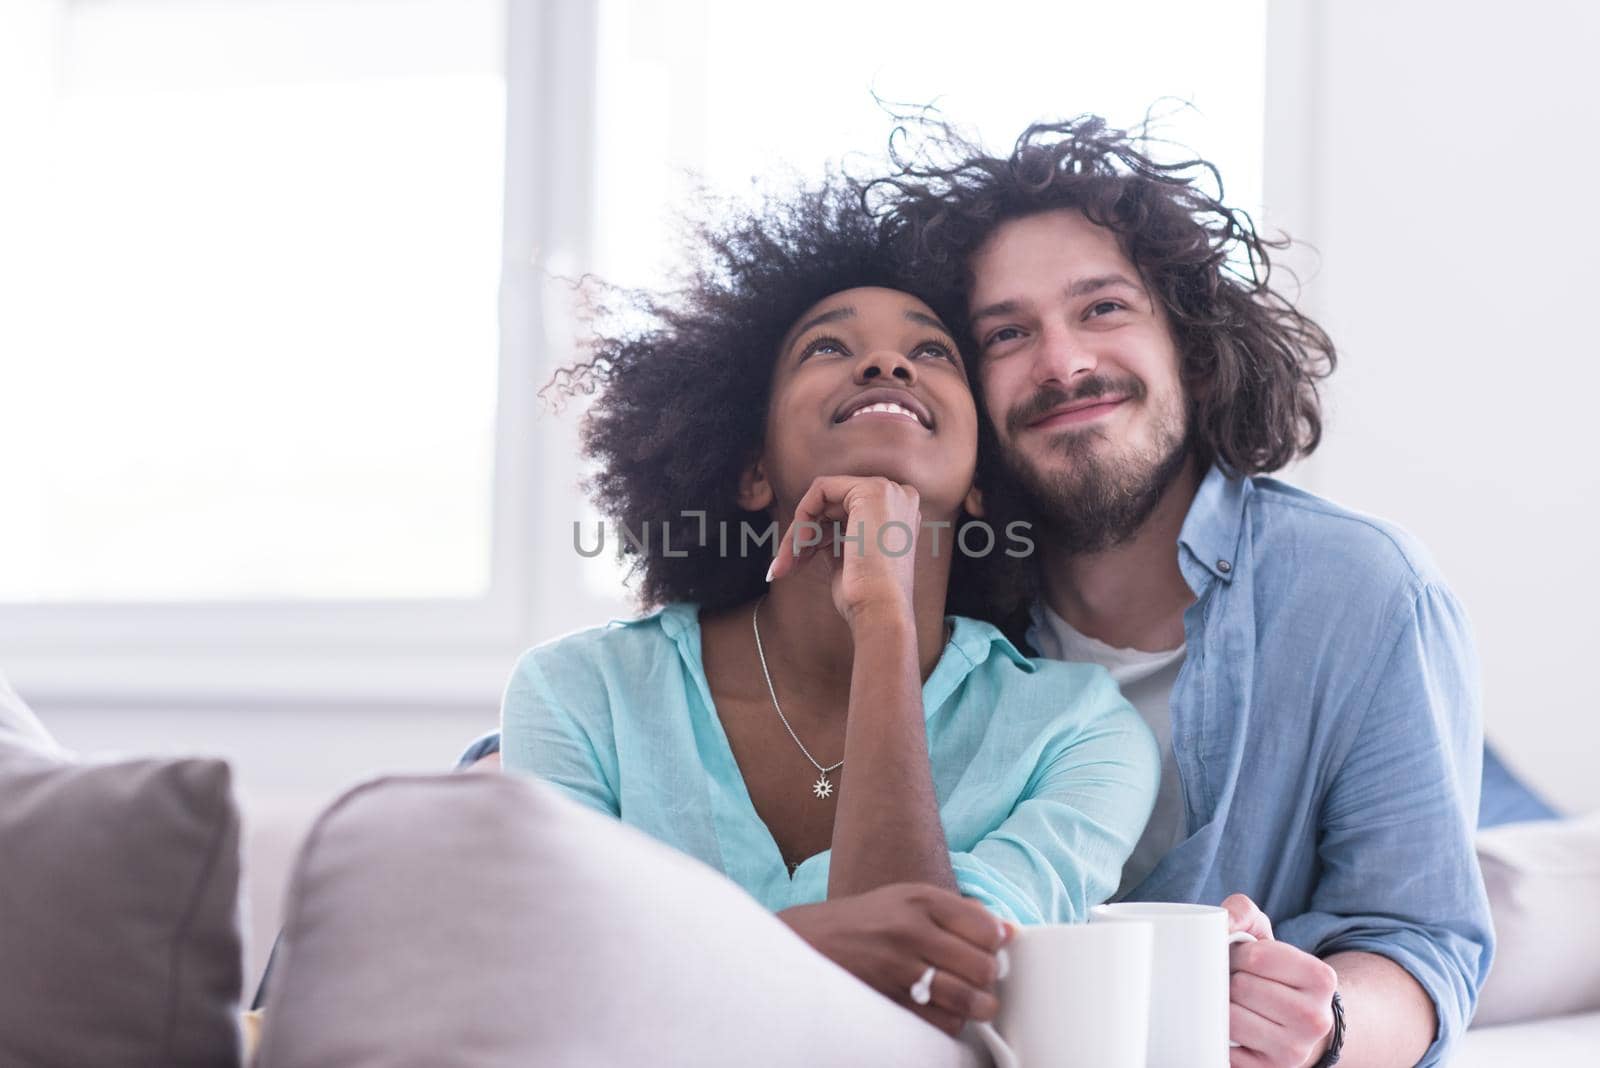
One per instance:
(684, 380)
(1250, 361)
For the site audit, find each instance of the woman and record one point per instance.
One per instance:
(799, 711)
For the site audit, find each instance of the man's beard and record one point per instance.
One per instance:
(1098, 500)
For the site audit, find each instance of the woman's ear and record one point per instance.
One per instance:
(755, 492)
(973, 502)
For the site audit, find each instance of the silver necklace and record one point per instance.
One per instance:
(823, 787)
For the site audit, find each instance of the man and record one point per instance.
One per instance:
(1310, 677)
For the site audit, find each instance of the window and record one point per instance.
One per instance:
(281, 281)
(251, 345)
(272, 323)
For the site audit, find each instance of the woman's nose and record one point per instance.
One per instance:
(890, 363)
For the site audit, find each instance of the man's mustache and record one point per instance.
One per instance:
(1049, 398)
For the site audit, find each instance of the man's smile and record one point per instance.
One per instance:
(1077, 413)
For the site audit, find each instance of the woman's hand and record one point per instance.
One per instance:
(889, 936)
(872, 571)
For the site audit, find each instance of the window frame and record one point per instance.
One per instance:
(406, 651)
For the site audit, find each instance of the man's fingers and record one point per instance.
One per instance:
(1243, 1057)
(1285, 1006)
(1283, 963)
(1286, 1024)
(1256, 1034)
(1243, 915)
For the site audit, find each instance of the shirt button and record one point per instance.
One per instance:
(1224, 567)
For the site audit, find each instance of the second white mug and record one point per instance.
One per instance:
(1188, 982)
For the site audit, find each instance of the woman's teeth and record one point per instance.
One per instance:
(887, 409)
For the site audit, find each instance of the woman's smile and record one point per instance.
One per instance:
(888, 403)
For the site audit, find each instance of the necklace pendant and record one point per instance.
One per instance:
(822, 788)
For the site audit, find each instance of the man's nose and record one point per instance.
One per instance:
(1062, 357)
(885, 364)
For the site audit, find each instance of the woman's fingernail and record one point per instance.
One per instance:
(1002, 961)
(771, 567)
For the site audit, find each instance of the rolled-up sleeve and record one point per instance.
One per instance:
(1399, 873)
(1062, 848)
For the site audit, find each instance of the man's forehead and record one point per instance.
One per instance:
(1071, 289)
(1057, 251)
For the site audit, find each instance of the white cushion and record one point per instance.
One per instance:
(485, 920)
(18, 725)
(1557, 1042)
(1543, 880)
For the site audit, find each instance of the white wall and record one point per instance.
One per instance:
(1449, 189)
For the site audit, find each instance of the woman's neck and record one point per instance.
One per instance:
(803, 631)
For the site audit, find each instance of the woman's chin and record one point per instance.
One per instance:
(940, 489)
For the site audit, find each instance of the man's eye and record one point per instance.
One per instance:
(1005, 333)
(1104, 307)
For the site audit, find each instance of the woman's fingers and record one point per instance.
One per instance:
(831, 500)
(962, 942)
(948, 1022)
(959, 998)
(969, 920)
(824, 501)
(977, 967)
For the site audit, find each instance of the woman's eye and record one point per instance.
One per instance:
(825, 346)
(1104, 307)
(936, 350)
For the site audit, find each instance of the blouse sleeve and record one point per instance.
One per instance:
(557, 740)
(1062, 848)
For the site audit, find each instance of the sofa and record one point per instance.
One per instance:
(1541, 1006)
(122, 884)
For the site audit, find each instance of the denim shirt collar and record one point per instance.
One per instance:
(1211, 530)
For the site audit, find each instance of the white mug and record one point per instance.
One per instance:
(1077, 996)
(1189, 983)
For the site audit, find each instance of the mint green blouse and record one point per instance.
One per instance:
(1044, 774)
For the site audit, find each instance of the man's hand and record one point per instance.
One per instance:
(888, 936)
(1282, 997)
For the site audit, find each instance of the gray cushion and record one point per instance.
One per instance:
(485, 920)
(119, 937)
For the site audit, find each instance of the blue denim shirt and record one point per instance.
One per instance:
(1327, 730)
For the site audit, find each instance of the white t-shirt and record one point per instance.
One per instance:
(1146, 680)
